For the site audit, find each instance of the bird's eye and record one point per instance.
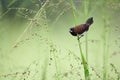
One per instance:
(71, 31)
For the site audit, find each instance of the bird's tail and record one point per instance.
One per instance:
(89, 21)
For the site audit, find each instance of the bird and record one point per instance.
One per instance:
(80, 29)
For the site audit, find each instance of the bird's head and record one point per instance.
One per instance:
(72, 32)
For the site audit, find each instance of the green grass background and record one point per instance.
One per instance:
(35, 43)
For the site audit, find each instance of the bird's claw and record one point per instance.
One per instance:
(80, 36)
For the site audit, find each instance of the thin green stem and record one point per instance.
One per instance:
(85, 65)
(86, 44)
(86, 36)
(105, 51)
(73, 12)
(104, 56)
(86, 7)
(44, 72)
(57, 72)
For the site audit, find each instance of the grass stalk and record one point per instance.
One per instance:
(86, 7)
(104, 51)
(44, 72)
(86, 46)
(73, 12)
(85, 65)
(57, 72)
(86, 36)
(53, 50)
(106, 34)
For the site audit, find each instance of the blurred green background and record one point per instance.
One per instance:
(35, 43)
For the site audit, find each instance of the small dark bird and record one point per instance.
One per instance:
(80, 29)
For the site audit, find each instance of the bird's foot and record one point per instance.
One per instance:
(80, 36)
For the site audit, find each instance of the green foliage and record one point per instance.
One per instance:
(35, 43)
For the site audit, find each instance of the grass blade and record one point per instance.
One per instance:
(85, 66)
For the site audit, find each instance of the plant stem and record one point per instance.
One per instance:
(44, 72)
(86, 71)
(86, 36)
(57, 72)
(86, 7)
(73, 12)
(105, 42)
(104, 51)
(86, 45)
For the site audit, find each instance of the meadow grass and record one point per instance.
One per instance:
(104, 54)
(33, 74)
(85, 65)
(37, 15)
(53, 51)
(86, 5)
(105, 44)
